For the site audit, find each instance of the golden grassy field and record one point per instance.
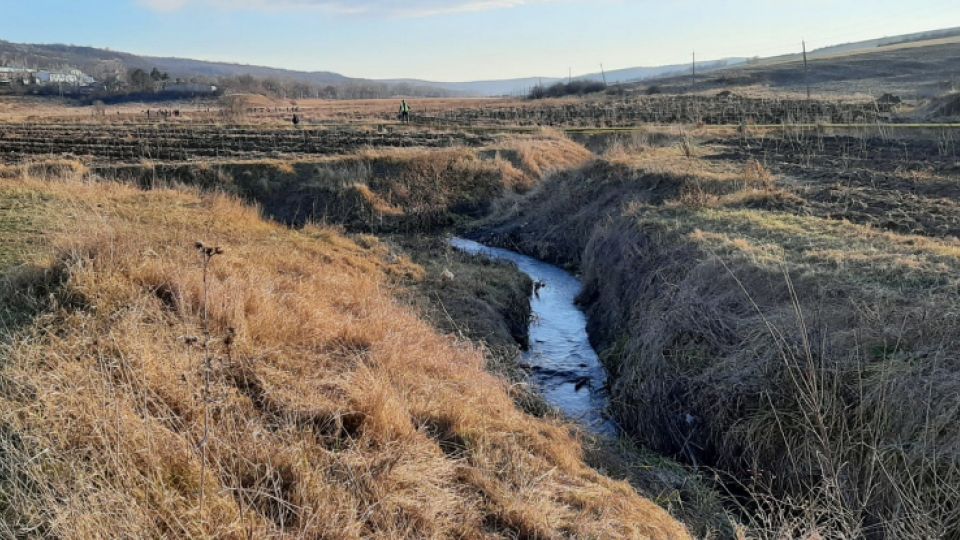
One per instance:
(291, 389)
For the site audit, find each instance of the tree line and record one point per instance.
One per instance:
(116, 82)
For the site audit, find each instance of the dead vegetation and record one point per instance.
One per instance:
(377, 189)
(334, 411)
(750, 327)
(792, 343)
(130, 143)
(778, 305)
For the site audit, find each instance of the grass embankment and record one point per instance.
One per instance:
(376, 190)
(479, 299)
(813, 359)
(331, 410)
(488, 302)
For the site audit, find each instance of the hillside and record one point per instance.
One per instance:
(102, 63)
(775, 70)
(522, 86)
(93, 60)
(910, 66)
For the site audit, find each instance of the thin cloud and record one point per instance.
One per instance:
(392, 8)
(164, 5)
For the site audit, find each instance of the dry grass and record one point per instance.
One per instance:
(706, 181)
(528, 160)
(48, 169)
(39, 110)
(794, 342)
(687, 159)
(364, 110)
(379, 189)
(810, 359)
(335, 413)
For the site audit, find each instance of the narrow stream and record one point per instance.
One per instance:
(561, 361)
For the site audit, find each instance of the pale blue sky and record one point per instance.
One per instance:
(455, 40)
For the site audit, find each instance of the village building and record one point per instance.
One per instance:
(11, 75)
(27, 76)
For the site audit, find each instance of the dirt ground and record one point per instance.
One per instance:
(257, 109)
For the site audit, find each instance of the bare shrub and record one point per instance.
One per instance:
(623, 145)
(689, 145)
(755, 175)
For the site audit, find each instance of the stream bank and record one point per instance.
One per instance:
(410, 198)
(754, 326)
(482, 301)
(562, 364)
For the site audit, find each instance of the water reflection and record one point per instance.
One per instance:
(561, 360)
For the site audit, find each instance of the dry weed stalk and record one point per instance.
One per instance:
(207, 253)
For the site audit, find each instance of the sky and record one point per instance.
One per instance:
(464, 40)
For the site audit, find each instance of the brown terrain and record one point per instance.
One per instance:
(771, 283)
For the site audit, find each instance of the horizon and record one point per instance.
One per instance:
(562, 32)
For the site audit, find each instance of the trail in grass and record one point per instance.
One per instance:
(561, 360)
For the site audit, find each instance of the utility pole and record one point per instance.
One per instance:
(693, 76)
(569, 76)
(806, 69)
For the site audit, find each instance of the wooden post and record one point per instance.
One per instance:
(806, 69)
(604, 74)
(693, 77)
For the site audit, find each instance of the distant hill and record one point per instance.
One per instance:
(921, 66)
(99, 61)
(92, 60)
(508, 87)
(103, 62)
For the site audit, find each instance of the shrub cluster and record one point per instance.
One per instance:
(573, 88)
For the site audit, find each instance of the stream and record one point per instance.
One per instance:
(561, 361)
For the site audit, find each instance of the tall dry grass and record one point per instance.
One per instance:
(799, 354)
(334, 412)
(811, 360)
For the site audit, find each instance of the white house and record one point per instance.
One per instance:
(9, 75)
(72, 77)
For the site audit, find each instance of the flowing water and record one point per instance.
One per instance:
(561, 361)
